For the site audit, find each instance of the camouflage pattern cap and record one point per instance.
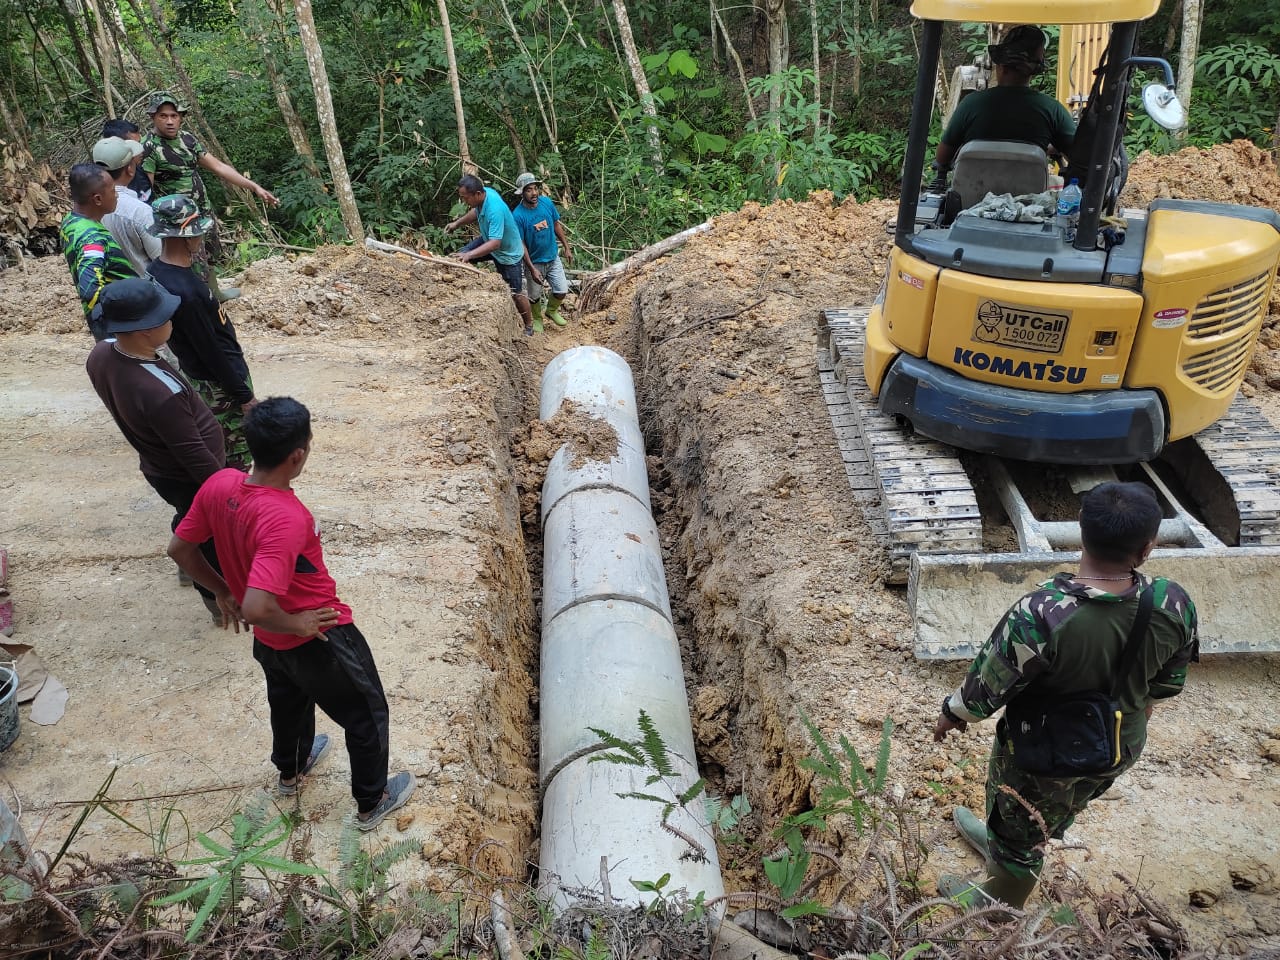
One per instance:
(178, 216)
(160, 98)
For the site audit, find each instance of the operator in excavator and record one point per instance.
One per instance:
(1011, 110)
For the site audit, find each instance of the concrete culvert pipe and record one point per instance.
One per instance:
(609, 651)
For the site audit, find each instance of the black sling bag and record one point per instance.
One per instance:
(1077, 735)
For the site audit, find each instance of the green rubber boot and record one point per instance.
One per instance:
(1000, 886)
(535, 308)
(972, 830)
(553, 312)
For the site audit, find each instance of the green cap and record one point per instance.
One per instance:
(160, 98)
(178, 216)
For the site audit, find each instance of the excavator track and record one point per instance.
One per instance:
(913, 491)
(1244, 449)
(919, 501)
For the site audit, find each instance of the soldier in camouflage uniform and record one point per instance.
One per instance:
(1064, 639)
(92, 254)
(173, 159)
(203, 337)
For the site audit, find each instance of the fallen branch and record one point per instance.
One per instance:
(380, 247)
(594, 289)
(503, 938)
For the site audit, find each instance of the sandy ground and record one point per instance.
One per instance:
(410, 480)
(422, 386)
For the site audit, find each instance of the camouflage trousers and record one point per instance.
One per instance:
(229, 416)
(1015, 837)
(202, 260)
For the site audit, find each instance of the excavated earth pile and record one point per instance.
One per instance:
(404, 367)
(782, 580)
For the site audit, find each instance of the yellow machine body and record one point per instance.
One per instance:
(1188, 334)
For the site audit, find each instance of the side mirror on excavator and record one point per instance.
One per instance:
(1158, 99)
(1164, 107)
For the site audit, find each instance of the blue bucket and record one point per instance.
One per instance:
(8, 706)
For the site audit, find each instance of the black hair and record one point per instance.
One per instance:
(86, 179)
(275, 428)
(1020, 47)
(471, 183)
(119, 127)
(1117, 520)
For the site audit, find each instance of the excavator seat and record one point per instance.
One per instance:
(998, 166)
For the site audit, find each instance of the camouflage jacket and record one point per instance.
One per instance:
(1067, 638)
(175, 165)
(93, 257)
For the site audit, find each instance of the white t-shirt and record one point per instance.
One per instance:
(129, 227)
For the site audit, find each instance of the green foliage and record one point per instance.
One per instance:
(252, 837)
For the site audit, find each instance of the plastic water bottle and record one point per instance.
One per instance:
(1069, 209)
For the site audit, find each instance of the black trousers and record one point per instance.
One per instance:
(180, 494)
(338, 675)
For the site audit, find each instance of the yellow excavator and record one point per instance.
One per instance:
(1005, 366)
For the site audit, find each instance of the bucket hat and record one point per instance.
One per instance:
(178, 216)
(137, 303)
(523, 181)
(160, 98)
(114, 153)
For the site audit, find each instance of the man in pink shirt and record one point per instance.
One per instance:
(274, 577)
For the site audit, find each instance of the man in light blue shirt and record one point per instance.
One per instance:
(544, 237)
(499, 240)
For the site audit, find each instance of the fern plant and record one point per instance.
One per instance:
(252, 838)
(651, 751)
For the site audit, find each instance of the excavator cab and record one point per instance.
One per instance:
(1010, 345)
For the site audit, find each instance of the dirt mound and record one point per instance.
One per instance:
(1237, 172)
(354, 292)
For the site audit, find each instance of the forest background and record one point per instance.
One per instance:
(643, 117)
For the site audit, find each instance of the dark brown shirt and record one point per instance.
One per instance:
(159, 413)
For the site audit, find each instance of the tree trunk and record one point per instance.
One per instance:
(546, 108)
(817, 70)
(504, 111)
(776, 14)
(1170, 35)
(328, 123)
(15, 124)
(460, 117)
(643, 92)
(82, 58)
(855, 15)
(161, 26)
(280, 90)
(101, 53)
(582, 42)
(737, 62)
(132, 67)
(1191, 13)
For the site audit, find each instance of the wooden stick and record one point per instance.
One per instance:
(503, 938)
(380, 247)
(604, 280)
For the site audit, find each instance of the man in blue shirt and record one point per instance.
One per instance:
(540, 229)
(499, 240)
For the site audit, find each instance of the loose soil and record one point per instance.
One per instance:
(428, 459)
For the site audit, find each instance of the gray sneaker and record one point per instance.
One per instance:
(319, 747)
(399, 789)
